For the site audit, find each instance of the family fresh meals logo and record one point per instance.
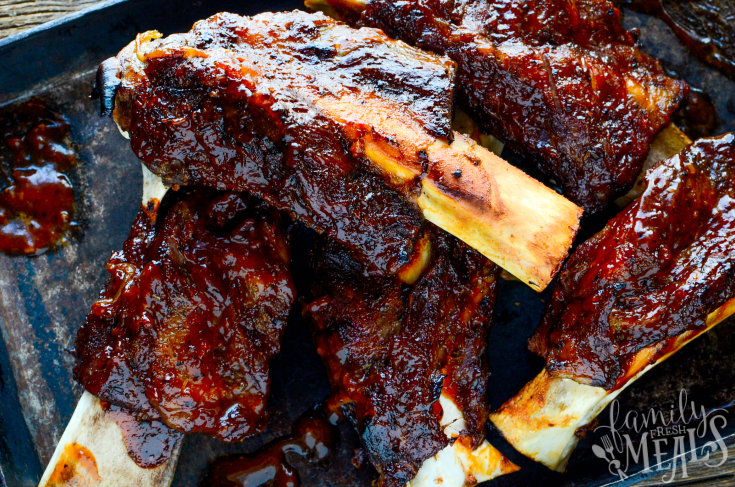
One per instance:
(667, 440)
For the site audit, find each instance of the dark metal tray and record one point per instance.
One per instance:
(44, 299)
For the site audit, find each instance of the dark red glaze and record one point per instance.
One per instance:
(313, 436)
(656, 270)
(561, 82)
(390, 349)
(192, 315)
(706, 27)
(37, 198)
(239, 104)
(149, 443)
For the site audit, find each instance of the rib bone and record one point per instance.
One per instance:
(357, 124)
(543, 419)
(93, 428)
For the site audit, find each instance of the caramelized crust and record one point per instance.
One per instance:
(655, 271)
(288, 107)
(391, 349)
(561, 82)
(194, 310)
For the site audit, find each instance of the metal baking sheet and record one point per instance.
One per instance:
(43, 299)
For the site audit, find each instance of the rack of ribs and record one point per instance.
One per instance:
(194, 310)
(657, 276)
(560, 82)
(345, 129)
(407, 362)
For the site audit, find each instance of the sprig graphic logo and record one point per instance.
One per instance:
(663, 441)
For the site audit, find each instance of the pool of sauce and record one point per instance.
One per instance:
(313, 436)
(36, 194)
(704, 26)
(76, 466)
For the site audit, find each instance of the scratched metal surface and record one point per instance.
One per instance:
(44, 299)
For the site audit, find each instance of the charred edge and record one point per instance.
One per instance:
(106, 84)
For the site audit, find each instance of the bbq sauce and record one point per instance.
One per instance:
(697, 116)
(36, 195)
(194, 310)
(76, 464)
(656, 270)
(149, 443)
(313, 436)
(704, 26)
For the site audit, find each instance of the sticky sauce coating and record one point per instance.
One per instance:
(560, 82)
(656, 270)
(290, 107)
(36, 194)
(195, 309)
(314, 436)
(391, 349)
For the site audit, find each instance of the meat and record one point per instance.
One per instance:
(347, 130)
(233, 105)
(656, 270)
(194, 310)
(391, 350)
(560, 82)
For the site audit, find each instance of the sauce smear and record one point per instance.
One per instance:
(76, 466)
(149, 443)
(36, 195)
(313, 436)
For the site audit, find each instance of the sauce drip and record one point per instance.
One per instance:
(76, 466)
(36, 194)
(313, 436)
(697, 116)
(149, 443)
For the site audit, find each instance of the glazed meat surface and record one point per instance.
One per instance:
(194, 310)
(561, 82)
(656, 270)
(285, 106)
(390, 349)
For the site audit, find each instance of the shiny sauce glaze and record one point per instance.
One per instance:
(656, 270)
(37, 200)
(390, 349)
(697, 117)
(275, 105)
(313, 436)
(560, 82)
(194, 310)
(705, 26)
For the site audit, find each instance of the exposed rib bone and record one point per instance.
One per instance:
(92, 428)
(512, 219)
(458, 465)
(542, 420)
